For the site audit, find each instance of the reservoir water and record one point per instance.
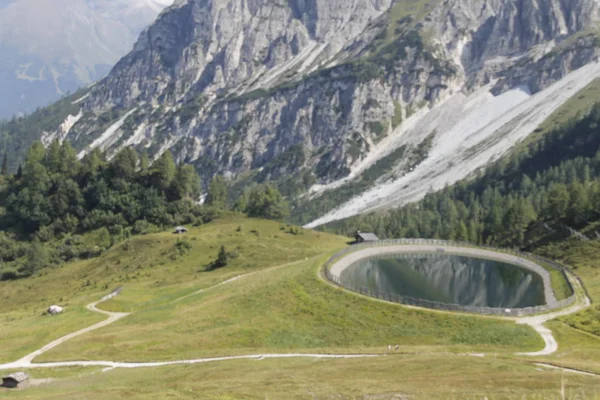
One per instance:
(448, 278)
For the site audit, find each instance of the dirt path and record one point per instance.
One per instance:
(113, 364)
(537, 321)
(235, 278)
(112, 317)
(562, 369)
(27, 361)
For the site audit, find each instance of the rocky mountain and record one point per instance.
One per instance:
(353, 105)
(52, 47)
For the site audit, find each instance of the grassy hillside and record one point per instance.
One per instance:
(285, 306)
(279, 304)
(151, 268)
(578, 105)
(286, 309)
(584, 257)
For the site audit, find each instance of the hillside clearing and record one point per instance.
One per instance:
(283, 310)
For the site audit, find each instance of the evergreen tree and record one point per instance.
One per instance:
(186, 184)
(144, 163)
(222, 258)
(241, 204)
(267, 202)
(163, 171)
(4, 170)
(124, 164)
(217, 192)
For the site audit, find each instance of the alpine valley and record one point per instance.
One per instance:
(373, 103)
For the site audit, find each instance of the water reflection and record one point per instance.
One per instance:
(449, 279)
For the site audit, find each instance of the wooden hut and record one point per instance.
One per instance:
(17, 380)
(365, 237)
(180, 230)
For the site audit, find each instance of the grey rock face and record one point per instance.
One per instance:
(207, 46)
(305, 88)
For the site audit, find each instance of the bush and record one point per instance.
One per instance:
(183, 246)
(267, 202)
(9, 276)
(143, 227)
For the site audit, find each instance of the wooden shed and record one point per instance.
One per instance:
(180, 230)
(365, 237)
(16, 380)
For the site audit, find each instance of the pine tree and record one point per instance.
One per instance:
(163, 171)
(125, 163)
(144, 163)
(217, 193)
(4, 170)
(241, 204)
(462, 233)
(222, 258)
(186, 184)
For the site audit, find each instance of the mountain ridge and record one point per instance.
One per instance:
(310, 94)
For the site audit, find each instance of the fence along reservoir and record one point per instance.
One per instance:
(448, 278)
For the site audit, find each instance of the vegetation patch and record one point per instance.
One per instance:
(397, 118)
(286, 309)
(18, 134)
(304, 211)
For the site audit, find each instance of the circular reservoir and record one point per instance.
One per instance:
(447, 278)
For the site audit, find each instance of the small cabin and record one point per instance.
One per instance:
(366, 237)
(17, 380)
(180, 230)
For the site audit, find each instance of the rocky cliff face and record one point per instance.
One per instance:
(314, 93)
(207, 46)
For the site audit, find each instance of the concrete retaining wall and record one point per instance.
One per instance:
(338, 263)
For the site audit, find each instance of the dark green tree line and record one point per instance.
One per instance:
(548, 184)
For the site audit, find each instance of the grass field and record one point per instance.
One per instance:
(279, 305)
(584, 259)
(577, 349)
(282, 310)
(396, 377)
(152, 268)
(24, 334)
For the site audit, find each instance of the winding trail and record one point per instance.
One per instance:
(27, 361)
(112, 317)
(536, 322)
(563, 369)
(113, 364)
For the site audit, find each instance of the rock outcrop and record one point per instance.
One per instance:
(304, 91)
